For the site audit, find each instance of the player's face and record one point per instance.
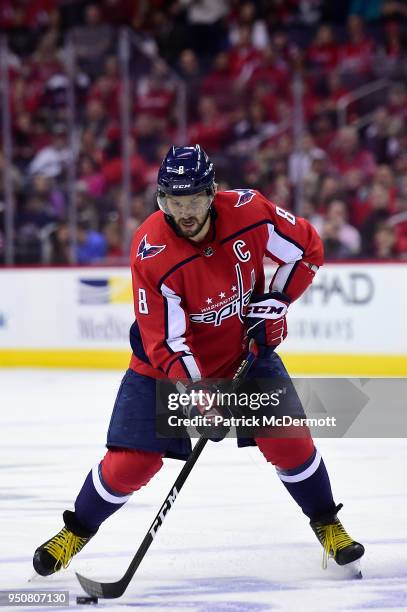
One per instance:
(190, 213)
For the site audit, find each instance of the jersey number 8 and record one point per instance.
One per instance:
(142, 301)
(285, 214)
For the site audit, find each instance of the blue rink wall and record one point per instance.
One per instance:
(350, 322)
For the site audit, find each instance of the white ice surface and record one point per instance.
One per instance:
(234, 540)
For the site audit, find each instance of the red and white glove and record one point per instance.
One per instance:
(266, 322)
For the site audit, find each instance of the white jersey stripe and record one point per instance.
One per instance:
(112, 499)
(309, 471)
(176, 321)
(282, 247)
(176, 324)
(192, 367)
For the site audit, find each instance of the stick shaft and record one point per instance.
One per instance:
(112, 590)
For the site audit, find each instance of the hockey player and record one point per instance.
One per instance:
(196, 265)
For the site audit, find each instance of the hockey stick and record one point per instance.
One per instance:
(112, 590)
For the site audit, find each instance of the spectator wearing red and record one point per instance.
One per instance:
(7, 14)
(212, 128)
(310, 100)
(271, 71)
(333, 90)
(23, 145)
(323, 131)
(348, 155)
(282, 12)
(395, 42)
(118, 12)
(264, 94)
(399, 222)
(107, 88)
(45, 62)
(323, 53)
(35, 14)
(219, 82)
(112, 170)
(356, 55)
(243, 56)
(156, 93)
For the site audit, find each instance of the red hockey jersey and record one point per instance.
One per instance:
(190, 298)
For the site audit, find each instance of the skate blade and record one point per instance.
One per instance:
(353, 570)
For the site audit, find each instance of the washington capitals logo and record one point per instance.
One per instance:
(235, 305)
(245, 196)
(146, 250)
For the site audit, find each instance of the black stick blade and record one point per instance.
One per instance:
(105, 590)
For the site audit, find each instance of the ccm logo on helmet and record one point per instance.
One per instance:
(181, 186)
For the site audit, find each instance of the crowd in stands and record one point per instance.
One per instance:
(245, 66)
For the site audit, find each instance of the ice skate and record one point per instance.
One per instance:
(337, 543)
(57, 552)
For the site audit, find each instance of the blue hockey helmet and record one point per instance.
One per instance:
(185, 171)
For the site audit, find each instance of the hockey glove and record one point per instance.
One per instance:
(266, 322)
(204, 406)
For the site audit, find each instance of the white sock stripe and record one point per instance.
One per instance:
(309, 471)
(112, 499)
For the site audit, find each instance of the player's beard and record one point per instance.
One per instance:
(193, 227)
